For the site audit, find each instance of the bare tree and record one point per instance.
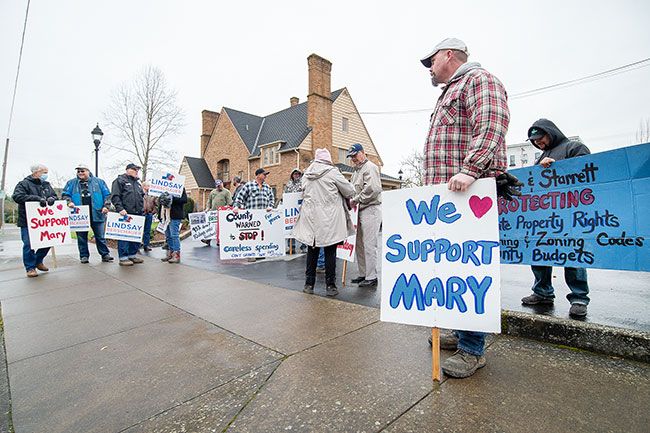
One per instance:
(643, 133)
(413, 166)
(144, 113)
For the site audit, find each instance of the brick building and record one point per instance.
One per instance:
(237, 143)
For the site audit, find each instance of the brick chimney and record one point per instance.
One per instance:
(319, 102)
(294, 101)
(208, 120)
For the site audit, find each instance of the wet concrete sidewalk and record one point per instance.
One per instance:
(170, 348)
(618, 298)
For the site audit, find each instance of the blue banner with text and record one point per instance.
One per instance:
(586, 212)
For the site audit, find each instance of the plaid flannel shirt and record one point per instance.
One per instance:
(251, 196)
(468, 129)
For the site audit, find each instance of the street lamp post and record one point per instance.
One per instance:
(400, 173)
(97, 139)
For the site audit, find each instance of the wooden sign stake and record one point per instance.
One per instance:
(436, 373)
(54, 257)
(345, 271)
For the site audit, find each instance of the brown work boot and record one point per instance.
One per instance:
(42, 267)
(126, 262)
(176, 257)
(462, 364)
(136, 260)
(31, 273)
(168, 256)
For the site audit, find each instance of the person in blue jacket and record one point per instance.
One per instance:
(91, 191)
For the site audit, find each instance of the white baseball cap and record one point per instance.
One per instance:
(447, 44)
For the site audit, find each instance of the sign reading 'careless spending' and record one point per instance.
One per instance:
(164, 181)
(586, 212)
(251, 233)
(440, 265)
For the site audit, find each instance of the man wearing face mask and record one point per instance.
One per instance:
(91, 191)
(33, 188)
(466, 141)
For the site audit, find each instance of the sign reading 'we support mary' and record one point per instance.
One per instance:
(164, 181)
(586, 212)
(440, 266)
(48, 226)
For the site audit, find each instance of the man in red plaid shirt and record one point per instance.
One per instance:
(466, 141)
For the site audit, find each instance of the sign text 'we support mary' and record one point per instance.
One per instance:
(440, 264)
(586, 212)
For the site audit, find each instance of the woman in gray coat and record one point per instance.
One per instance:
(324, 220)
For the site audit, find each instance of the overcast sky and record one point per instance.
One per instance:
(252, 56)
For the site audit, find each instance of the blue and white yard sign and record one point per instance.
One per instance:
(440, 264)
(589, 212)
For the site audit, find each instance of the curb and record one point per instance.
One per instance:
(608, 340)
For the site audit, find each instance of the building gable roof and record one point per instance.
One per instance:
(288, 126)
(201, 172)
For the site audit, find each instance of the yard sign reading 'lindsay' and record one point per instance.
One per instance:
(440, 264)
(124, 228)
(79, 218)
(586, 212)
(251, 233)
(345, 251)
(48, 226)
(291, 202)
(165, 181)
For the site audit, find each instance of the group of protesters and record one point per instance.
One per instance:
(126, 196)
(465, 142)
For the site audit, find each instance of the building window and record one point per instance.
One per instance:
(537, 155)
(524, 158)
(223, 170)
(270, 155)
(343, 156)
(344, 124)
(512, 160)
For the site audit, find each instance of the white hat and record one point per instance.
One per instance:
(447, 44)
(83, 166)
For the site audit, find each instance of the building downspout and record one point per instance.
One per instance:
(297, 158)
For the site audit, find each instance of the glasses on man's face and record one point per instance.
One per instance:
(81, 171)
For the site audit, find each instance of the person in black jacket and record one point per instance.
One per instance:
(555, 146)
(128, 198)
(33, 188)
(176, 214)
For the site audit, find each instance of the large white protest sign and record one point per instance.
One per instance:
(440, 264)
(346, 250)
(48, 226)
(165, 181)
(79, 218)
(203, 225)
(124, 228)
(291, 202)
(251, 233)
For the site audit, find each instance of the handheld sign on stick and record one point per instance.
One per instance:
(440, 266)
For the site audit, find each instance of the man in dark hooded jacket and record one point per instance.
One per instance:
(556, 146)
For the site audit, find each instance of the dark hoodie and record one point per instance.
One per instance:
(30, 189)
(561, 147)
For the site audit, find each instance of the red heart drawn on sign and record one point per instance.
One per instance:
(59, 206)
(480, 206)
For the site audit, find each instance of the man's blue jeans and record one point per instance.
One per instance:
(172, 235)
(127, 250)
(576, 279)
(471, 342)
(146, 236)
(100, 242)
(31, 258)
(321, 258)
